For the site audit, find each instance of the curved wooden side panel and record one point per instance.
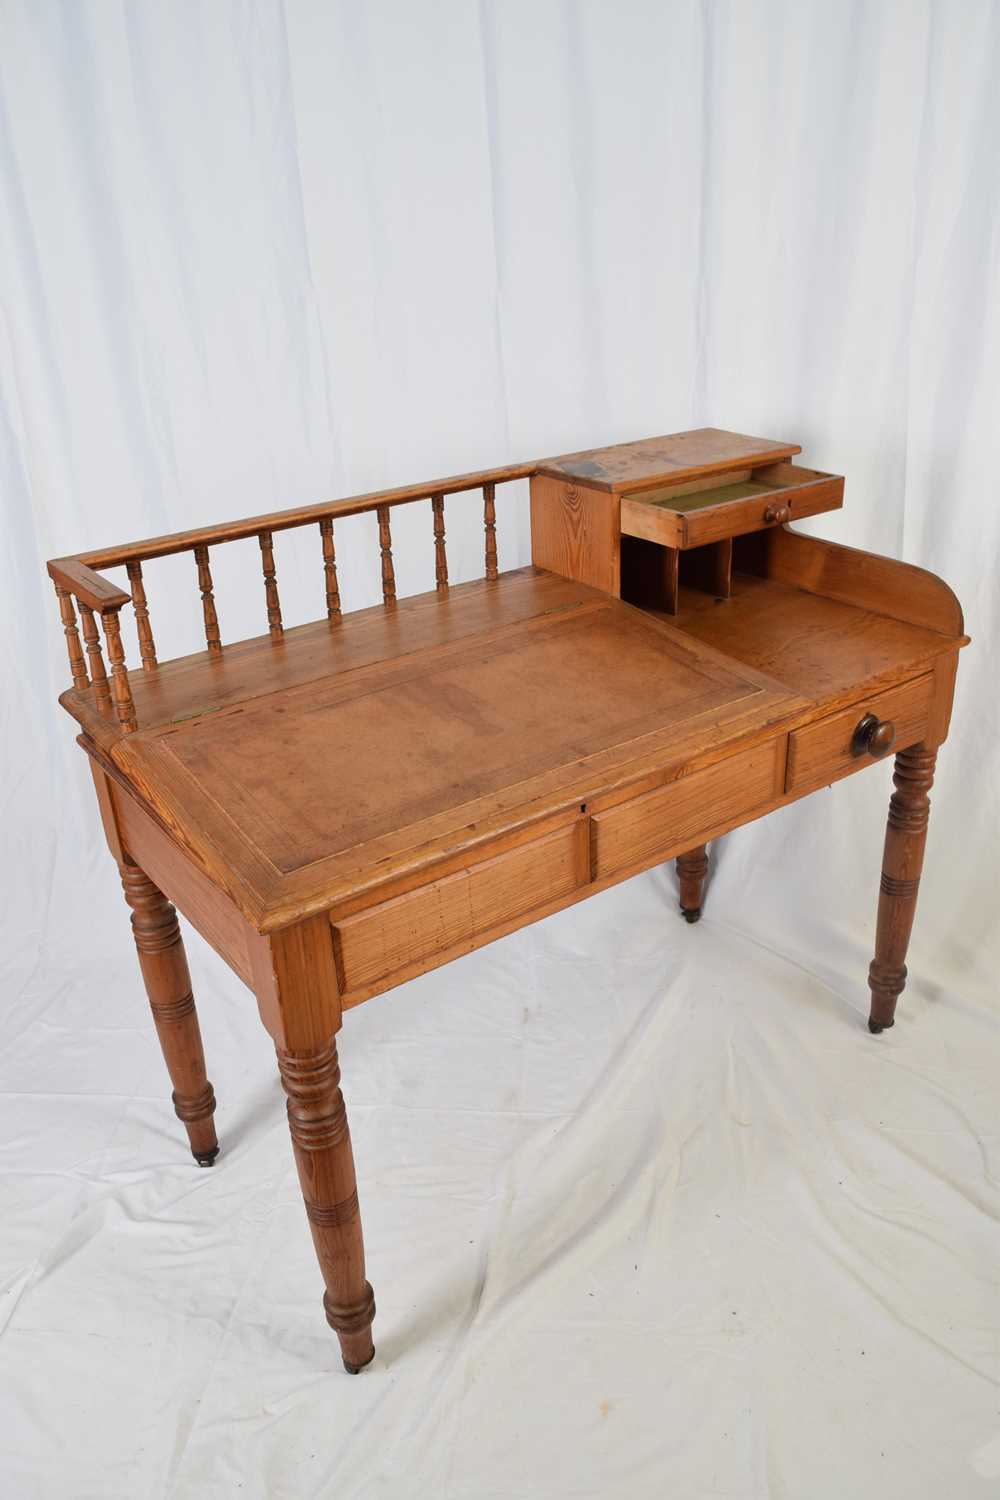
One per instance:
(850, 576)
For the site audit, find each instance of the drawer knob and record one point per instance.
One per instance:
(777, 515)
(873, 736)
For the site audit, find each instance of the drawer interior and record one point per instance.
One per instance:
(698, 512)
(719, 494)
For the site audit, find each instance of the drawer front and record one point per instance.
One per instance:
(821, 752)
(674, 818)
(372, 944)
(790, 501)
(777, 495)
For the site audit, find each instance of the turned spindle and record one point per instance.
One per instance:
(147, 646)
(385, 547)
(440, 556)
(270, 584)
(691, 871)
(74, 650)
(902, 862)
(92, 638)
(212, 637)
(490, 522)
(124, 706)
(317, 1122)
(330, 569)
(168, 984)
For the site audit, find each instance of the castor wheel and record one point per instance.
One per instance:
(691, 913)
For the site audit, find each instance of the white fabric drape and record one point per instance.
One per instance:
(647, 1211)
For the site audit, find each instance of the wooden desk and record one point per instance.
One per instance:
(343, 805)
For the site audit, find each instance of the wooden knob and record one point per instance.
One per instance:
(873, 736)
(777, 515)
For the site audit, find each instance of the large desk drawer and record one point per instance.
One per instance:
(822, 752)
(398, 934)
(698, 807)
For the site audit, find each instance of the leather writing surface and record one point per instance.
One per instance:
(310, 773)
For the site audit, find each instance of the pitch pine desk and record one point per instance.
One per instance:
(343, 805)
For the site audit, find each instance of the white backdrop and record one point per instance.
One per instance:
(682, 1227)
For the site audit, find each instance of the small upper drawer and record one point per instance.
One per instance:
(835, 746)
(709, 510)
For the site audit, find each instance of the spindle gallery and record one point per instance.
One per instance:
(675, 662)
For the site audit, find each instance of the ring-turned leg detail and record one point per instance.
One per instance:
(168, 985)
(905, 837)
(691, 871)
(317, 1121)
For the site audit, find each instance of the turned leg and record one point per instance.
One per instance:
(168, 985)
(317, 1121)
(905, 836)
(691, 871)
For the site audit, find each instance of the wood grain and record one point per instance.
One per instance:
(121, 687)
(665, 822)
(395, 934)
(829, 652)
(648, 462)
(490, 531)
(77, 665)
(321, 1140)
(168, 985)
(692, 868)
(650, 575)
(821, 752)
(440, 553)
(385, 549)
(902, 864)
(271, 596)
(209, 910)
(680, 518)
(575, 532)
(945, 669)
(722, 570)
(77, 572)
(95, 657)
(213, 639)
(493, 715)
(864, 579)
(77, 578)
(295, 981)
(330, 569)
(147, 645)
(206, 682)
(106, 807)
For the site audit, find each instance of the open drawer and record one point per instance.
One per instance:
(710, 510)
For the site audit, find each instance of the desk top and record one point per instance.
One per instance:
(346, 752)
(315, 764)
